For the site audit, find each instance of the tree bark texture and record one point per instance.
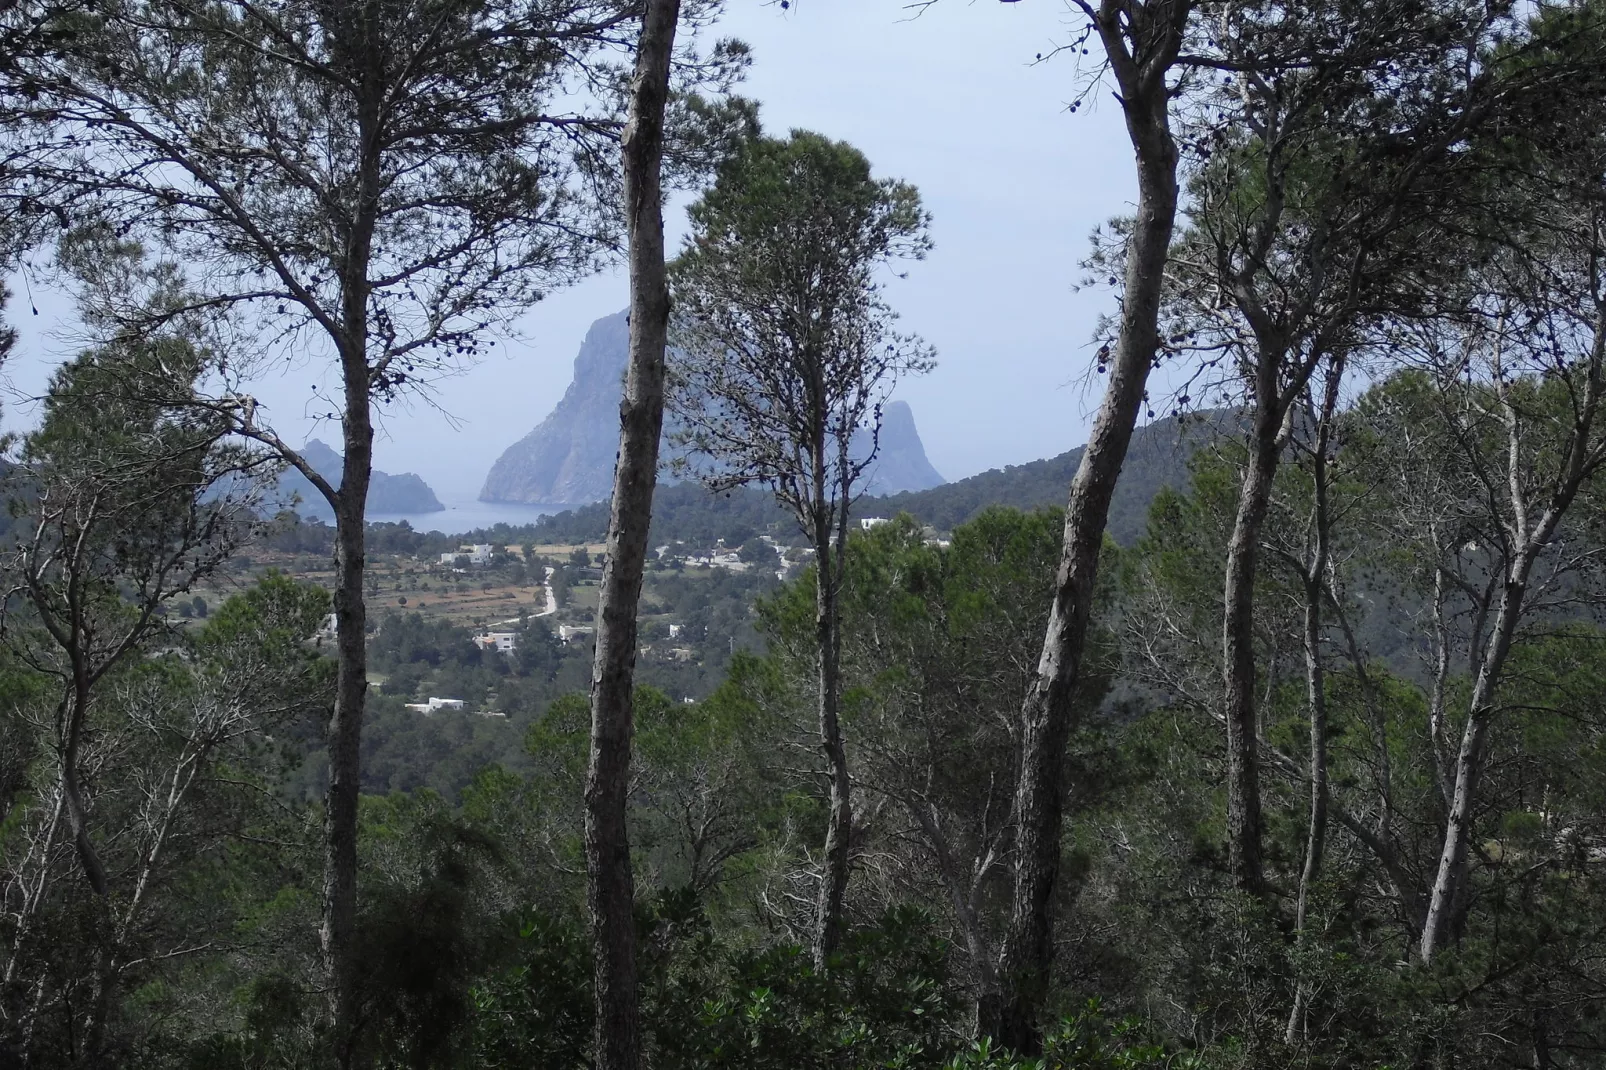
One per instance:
(1238, 636)
(338, 935)
(1582, 458)
(74, 718)
(345, 723)
(1449, 884)
(1315, 589)
(1027, 959)
(610, 887)
(839, 825)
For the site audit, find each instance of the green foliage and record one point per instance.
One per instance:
(1088, 1040)
(784, 346)
(536, 1011)
(884, 1003)
(196, 749)
(421, 938)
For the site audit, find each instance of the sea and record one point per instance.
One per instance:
(469, 514)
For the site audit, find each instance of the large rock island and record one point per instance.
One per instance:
(568, 458)
(404, 493)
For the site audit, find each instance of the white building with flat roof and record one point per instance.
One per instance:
(478, 554)
(569, 632)
(427, 708)
(502, 641)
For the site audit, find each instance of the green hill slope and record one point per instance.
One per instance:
(1157, 458)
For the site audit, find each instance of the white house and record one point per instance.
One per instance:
(868, 522)
(478, 554)
(674, 630)
(566, 632)
(427, 708)
(503, 641)
(329, 629)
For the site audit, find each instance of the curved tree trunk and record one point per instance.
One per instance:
(76, 715)
(610, 889)
(1027, 959)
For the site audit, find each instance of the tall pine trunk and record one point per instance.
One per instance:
(1315, 588)
(839, 824)
(350, 502)
(1238, 636)
(610, 888)
(1027, 959)
(345, 723)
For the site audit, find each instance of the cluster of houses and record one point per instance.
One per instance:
(718, 558)
(721, 556)
(507, 642)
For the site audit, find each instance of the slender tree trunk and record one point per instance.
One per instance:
(1446, 900)
(839, 826)
(1450, 878)
(1238, 636)
(1449, 884)
(962, 888)
(107, 968)
(338, 935)
(344, 737)
(90, 861)
(72, 794)
(610, 888)
(1027, 959)
(1314, 582)
(1581, 459)
(1316, 834)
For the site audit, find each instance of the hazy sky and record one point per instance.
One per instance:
(950, 101)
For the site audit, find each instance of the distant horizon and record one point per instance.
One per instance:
(953, 101)
(468, 512)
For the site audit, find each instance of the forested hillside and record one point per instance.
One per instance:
(1269, 737)
(1158, 459)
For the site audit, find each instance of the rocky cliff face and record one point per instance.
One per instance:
(568, 458)
(901, 462)
(405, 493)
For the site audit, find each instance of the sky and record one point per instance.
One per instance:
(952, 100)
